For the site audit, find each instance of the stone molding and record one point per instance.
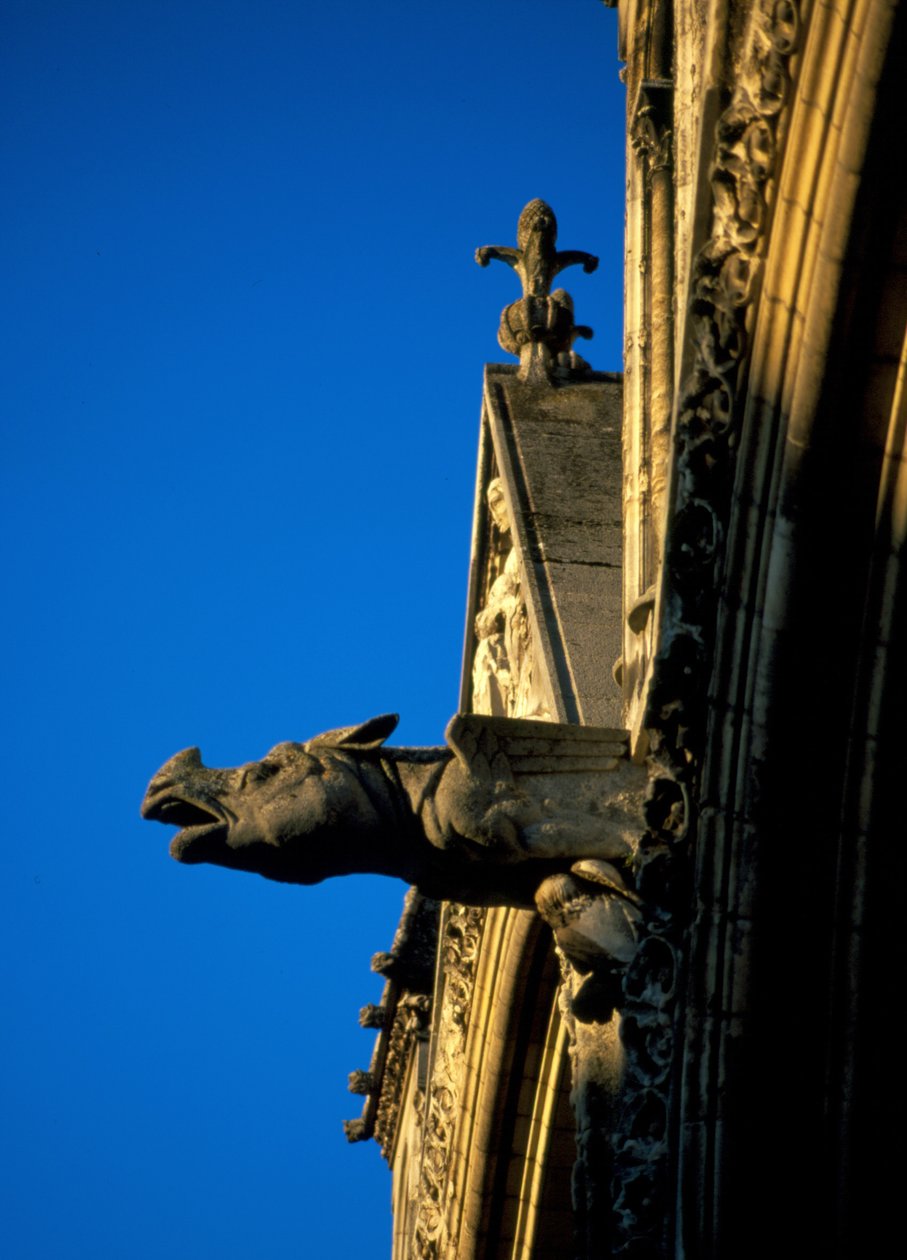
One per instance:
(649, 320)
(708, 412)
(723, 289)
(460, 939)
(410, 1027)
(804, 447)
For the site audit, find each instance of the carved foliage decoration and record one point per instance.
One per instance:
(723, 288)
(409, 1027)
(651, 134)
(461, 934)
(640, 1144)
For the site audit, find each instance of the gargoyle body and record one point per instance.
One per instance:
(508, 805)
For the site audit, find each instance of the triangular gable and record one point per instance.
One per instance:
(544, 603)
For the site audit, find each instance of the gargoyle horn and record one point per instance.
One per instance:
(362, 738)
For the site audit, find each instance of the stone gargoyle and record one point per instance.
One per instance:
(512, 812)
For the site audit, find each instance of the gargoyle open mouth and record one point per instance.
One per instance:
(199, 823)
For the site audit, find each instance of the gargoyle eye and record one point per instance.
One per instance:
(258, 772)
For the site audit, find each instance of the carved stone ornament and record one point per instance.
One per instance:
(491, 819)
(361, 1082)
(372, 1016)
(405, 1013)
(724, 283)
(461, 935)
(407, 1029)
(355, 1130)
(651, 132)
(404, 1033)
(539, 328)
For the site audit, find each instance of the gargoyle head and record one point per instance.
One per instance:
(299, 815)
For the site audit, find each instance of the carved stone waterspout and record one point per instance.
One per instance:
(512, 812)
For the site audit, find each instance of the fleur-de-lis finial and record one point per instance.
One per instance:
(539, 327)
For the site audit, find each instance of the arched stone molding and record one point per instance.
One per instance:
(512, 1070)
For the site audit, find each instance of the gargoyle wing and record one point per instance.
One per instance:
(504, 748)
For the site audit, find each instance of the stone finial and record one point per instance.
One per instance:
(539, 328)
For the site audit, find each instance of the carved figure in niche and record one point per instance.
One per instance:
(510, 812)
(527, 697)
(491, 672)
(503, 673)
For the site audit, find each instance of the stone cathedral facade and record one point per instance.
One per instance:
(680, 722)
(709, 553)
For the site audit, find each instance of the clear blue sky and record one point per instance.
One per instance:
(244, 339)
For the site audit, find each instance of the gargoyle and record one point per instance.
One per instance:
(512, 812)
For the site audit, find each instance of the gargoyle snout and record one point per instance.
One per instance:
(177, 771)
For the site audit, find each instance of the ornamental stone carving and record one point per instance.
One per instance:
(723, 288)
(651, 131)
(539, 328)
(361, 1082)
(405, 1015)
(724, 284)
(460, 938)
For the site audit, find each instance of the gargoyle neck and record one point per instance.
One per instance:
(395, 784)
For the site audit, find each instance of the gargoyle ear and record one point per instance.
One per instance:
(364, 737)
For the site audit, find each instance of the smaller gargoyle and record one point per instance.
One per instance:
(539, 327)
(512, 812)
